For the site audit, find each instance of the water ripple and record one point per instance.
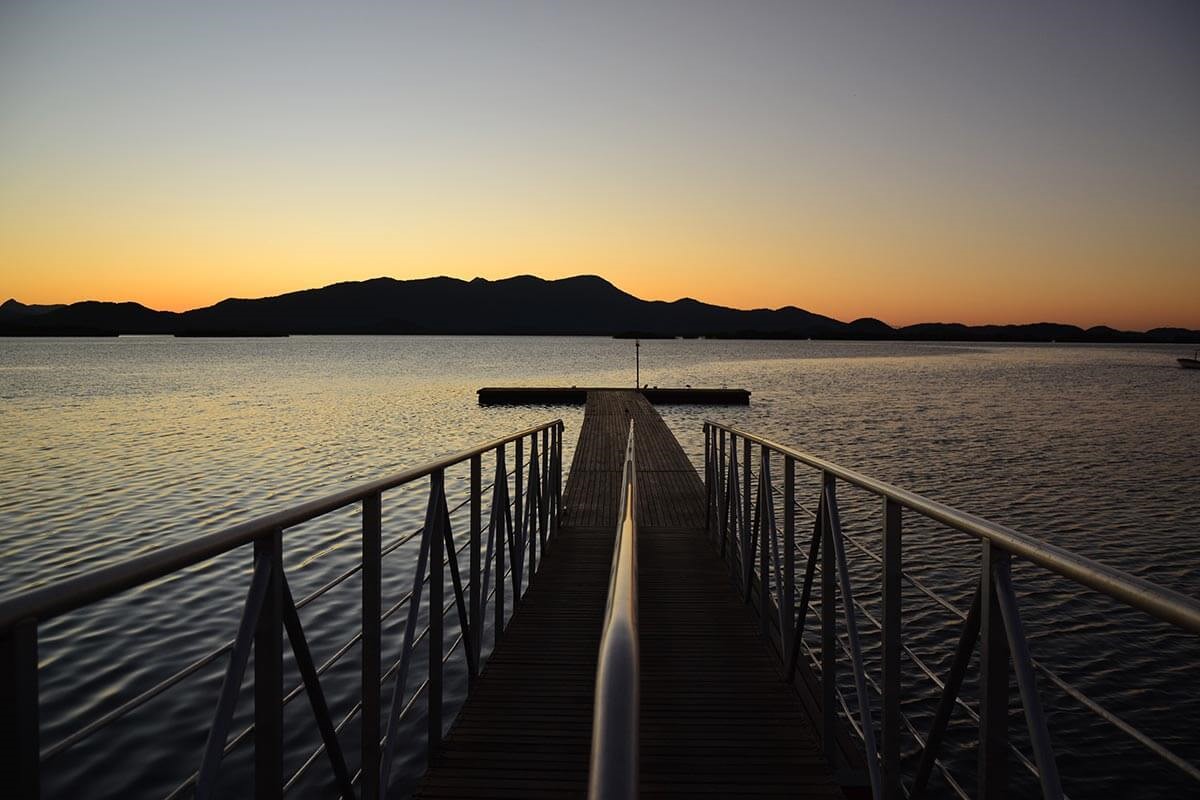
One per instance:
(113, 448)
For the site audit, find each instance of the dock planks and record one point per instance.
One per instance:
(716, 718)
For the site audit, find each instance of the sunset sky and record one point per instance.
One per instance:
(979, 162)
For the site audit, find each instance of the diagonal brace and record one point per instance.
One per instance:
(214, 746)
(316, 697)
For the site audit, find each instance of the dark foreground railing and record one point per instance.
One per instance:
(743, 524)
(521, 525)
(614, 759)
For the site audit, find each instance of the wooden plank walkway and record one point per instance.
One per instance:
(716, 718)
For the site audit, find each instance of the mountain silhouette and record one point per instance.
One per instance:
(11, 310)
(582, 305)
(521, 305)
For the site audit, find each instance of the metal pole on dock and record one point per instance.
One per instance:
(637, 363)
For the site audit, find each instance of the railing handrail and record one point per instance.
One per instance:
(614, 757)
(58, 598)
(1165, 604)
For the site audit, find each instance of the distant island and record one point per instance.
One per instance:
(586, 305)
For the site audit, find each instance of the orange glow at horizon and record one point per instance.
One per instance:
(191, 253)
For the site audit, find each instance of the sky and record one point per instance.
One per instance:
(912, 161)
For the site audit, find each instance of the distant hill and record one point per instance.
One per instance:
(583, 305)
(11, 310)
(520, 305)
(1038, 332)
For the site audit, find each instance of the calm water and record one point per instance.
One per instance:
(113, 447)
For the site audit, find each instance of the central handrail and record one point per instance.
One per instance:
(614, 760)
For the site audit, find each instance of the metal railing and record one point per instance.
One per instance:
(742, 521)
(521, 524)
(614, 759)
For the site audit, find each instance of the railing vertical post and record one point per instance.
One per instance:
(437, 489)
(19, 740)
(501, 542)
(544, 491)
(892, 638)
(709, 481)
(787, 581)
(993, 682)
(268, 675)
(519, 520)
(731, 548)
(372, 533)
(764, 534)
(708, 497)
(734, 508)
(558, 475)
(747, 520)
(828, 627)
(533, 533)
(551, 483)
(722, 510)
(474, 598)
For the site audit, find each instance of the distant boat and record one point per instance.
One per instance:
(1190, 363)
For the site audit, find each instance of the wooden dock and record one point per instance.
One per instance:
(578, 395)
(716, 718)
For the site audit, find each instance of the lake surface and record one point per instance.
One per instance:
(110, 448)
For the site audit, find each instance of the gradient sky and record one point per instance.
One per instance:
(914, 161)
